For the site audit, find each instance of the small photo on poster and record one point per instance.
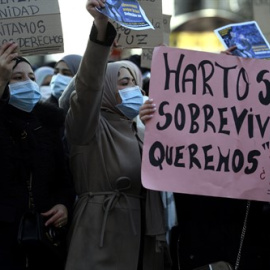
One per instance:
(247, 37)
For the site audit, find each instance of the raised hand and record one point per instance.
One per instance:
(7, 55)
(100, 20)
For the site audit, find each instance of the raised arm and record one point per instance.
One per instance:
(83, 116)
(100, 20)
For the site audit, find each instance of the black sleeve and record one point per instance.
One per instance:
(110, 35)
(5, 98)
(63, 187)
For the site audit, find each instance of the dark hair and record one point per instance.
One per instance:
(20, 59)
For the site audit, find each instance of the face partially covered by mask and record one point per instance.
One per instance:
(45, 91)
(121, 95)
(132, 100)
(24, 95)
(58, 84)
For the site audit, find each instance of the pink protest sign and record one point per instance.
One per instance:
(211, 131)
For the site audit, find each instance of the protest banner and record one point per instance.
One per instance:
(261, 14)
(210, 134)
(167, 29)
(146, 56)
(34, 24)
(150, 38)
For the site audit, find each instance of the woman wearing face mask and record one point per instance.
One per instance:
(43, 77)
(117, 224)
(31, 157)
(64, 70)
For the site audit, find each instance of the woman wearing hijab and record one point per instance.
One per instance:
(43, 77)
(64, 70)
(64, 100)
(32, 163)
(117, 224)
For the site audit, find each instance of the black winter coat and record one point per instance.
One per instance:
(210, 230)
(30, 143)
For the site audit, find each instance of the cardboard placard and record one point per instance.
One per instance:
(34, 24)
(146, 56)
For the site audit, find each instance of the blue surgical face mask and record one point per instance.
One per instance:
(58, 84)
(24, 95)
(45, 91)
(132, 100)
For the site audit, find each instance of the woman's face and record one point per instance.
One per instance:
(125, 80)
(62, 68)
(22, 72)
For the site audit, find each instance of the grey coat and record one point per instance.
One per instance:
(114, 214)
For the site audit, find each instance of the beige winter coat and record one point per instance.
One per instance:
(105, 158)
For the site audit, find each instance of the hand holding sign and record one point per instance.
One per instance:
(127, 13)
(100, 20)
(147, 110)
(93, 6)
(7, 55)
(34, 25)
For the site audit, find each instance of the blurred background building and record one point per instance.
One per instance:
(194, 21)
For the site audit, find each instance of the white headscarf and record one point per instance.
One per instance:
(41, 73)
